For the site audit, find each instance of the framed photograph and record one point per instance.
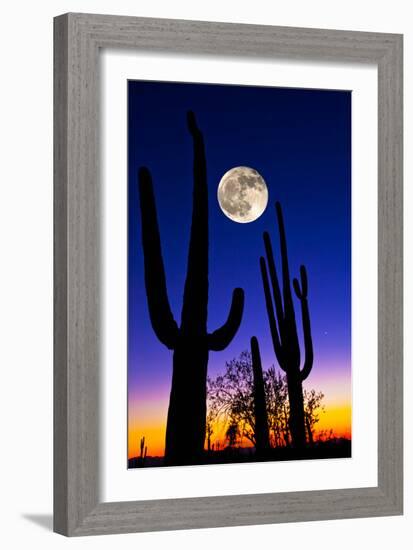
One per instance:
(228, 274)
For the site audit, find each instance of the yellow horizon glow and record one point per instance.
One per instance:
(337, 416)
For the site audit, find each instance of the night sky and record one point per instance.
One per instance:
(299, 140)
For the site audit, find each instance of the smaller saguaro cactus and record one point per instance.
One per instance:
(283, 328)
(262, 438)
(143, 452)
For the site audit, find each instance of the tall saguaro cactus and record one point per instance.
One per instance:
(262, 438)
(190, 342)
(283, 327)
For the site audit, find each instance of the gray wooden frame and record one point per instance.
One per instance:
(77, 506)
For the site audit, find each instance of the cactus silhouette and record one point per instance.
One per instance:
(262, 440)
(284, 330)
(144, 450)
(190, 342)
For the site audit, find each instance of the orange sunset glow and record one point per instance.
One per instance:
(148, 419)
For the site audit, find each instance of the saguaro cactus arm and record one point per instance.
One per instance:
(271, 315)
(162, 320)
(274, 278)
(288, 300)
(220, 338)
(308, 341)
(288, 326)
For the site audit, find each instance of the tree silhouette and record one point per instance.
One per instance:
(312, 408)
(231, 396)
(209, 429)
(231, 401)
(190, 342)
(232, 434)
(278, 408)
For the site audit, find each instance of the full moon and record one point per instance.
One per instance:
(242, 194)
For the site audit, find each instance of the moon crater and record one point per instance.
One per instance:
(242, 194)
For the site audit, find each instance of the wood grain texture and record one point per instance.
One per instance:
(77, 506)
(390, 273)
(60, 486)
